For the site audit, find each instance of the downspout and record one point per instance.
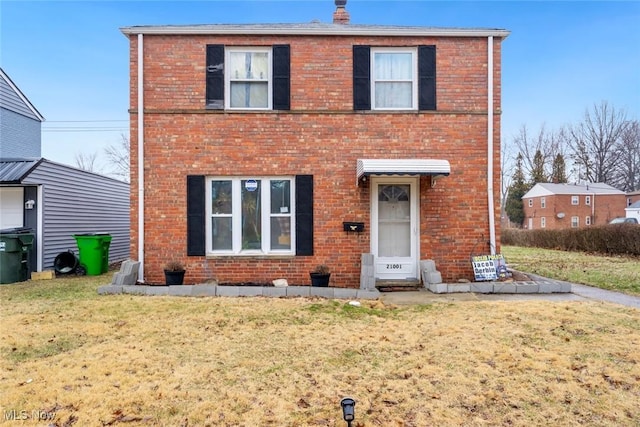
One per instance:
(492, 220)
(140, 158)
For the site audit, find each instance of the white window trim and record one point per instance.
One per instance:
(587, 200)
(228, 81)
(543, 202)
(575, 220)
(543, 222)
(587, 220)
(414, 82)
(530, 203)
(575, 200)
(236, 217)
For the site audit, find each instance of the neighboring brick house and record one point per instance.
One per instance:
(252, 145)
(633, 197)
(556, 206)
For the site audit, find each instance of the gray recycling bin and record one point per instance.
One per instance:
(15, 244)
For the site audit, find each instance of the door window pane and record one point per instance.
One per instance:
(394, 221)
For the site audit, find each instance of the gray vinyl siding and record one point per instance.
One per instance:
(77, 202)
(11, 100)
(20, 136)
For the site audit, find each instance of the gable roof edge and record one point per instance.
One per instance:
(22, 96)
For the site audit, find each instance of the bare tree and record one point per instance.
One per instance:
(118, 158)
(540, 149)
(87, 162)
(507, 162)
(596, 143)
(628, 176)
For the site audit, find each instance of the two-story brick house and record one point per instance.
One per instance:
(556, 206)
(252, 145)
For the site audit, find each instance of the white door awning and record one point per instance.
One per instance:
(434, 167)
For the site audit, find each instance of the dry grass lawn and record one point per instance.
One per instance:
(169, 361)
(617, 273)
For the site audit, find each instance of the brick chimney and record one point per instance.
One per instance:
(341, 16)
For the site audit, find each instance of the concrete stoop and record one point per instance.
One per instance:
(241, 291)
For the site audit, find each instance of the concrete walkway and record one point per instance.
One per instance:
(578, 293)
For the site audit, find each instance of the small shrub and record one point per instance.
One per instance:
(174, 266)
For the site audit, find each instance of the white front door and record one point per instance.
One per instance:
(394, 234)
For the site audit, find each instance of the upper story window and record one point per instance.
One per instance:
(543, 202)
(530, 203)
(575, 200)
(248, 78)
(587, 200)
(390, 78)
(393, 79)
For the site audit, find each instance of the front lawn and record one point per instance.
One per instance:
(616, 273)
(92, 360)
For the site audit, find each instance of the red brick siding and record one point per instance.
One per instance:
(322, 136)
(603, 209)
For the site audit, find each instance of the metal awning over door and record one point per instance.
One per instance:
(434, 167)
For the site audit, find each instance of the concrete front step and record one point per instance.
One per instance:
(398, 285)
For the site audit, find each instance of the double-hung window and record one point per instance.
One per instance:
(250, 215)
(394, 79)
(248, 77)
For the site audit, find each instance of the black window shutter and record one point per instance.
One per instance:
(281, 77)
(215, 76)
(195, 215)
(361, 78)
(427, 78)
(304, 215)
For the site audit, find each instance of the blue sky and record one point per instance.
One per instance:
(71, 60)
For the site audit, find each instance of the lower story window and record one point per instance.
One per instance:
(250, 215)
(543, 222)
(575, 221)
(587, 220)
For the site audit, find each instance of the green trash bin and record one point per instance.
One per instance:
(15, 244)
(93, 249)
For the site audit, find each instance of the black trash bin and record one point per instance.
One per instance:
(15, 244)
(65, 263)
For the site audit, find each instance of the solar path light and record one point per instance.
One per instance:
(348, 410)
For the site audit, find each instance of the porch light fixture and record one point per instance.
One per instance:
(29, 204)
(348, 409)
